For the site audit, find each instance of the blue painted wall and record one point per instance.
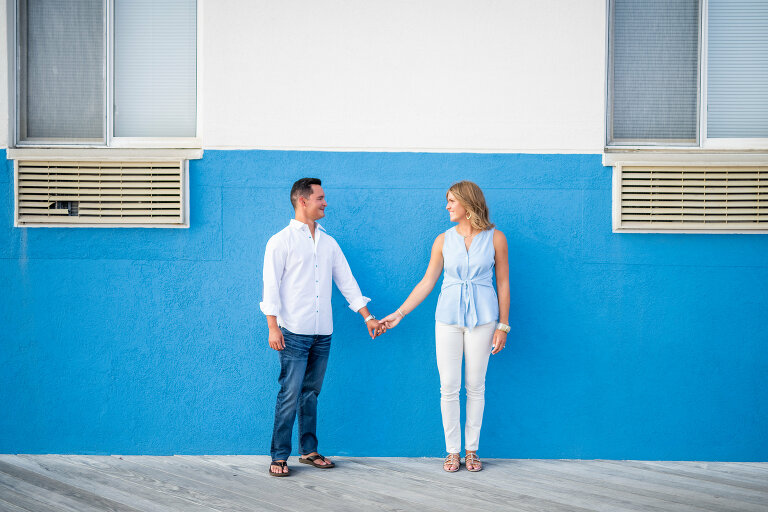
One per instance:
(151, 341)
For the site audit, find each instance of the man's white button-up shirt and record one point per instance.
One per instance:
(297, 279)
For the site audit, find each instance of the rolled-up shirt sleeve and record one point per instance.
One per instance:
(345, 281)
(274, 264)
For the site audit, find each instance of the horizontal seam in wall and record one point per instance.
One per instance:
(412, 188)
(449, 151)
(95, 260)
(667, 265)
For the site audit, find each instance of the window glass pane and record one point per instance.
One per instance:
(155, 68)
(61, 69)
(737, 81)
(655, 56)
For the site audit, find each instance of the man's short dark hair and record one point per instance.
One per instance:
(303, 188)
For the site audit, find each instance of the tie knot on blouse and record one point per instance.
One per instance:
(467, 297)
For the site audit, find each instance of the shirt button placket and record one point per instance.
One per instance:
(317, 292)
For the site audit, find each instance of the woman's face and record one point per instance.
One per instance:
(455, 210)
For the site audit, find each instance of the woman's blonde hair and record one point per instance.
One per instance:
(472, 199)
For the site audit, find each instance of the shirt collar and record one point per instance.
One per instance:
(297, 224)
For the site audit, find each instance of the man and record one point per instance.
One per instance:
(299, 264)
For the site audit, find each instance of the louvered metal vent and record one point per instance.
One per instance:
(692, 198)
(68, 192)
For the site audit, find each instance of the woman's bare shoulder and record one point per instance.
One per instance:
(439, 240)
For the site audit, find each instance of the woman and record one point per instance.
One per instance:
(467, 313)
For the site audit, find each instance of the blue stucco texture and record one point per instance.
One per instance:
(150, 341)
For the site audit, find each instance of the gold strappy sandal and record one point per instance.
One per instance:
(450, 460)
(472, 458)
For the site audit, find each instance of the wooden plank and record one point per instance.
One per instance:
(506, 474)
(587, 493)
(24, 500)
(240, 486)
(629, 487)
(21, 486)
(711, 479)
(294, 490)
(175, 485)
(381, 480)
(760, 467)
(6, 506)
(625, 491)
(434, 488)
(418, 488)
(693, 490)
(140, 496)
(718, 469)
(370, 497)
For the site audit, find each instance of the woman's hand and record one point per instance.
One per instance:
(391, 320)
(499, 340)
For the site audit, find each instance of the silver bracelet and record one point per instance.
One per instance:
(503, 327)
(401, 313)
(369, 317)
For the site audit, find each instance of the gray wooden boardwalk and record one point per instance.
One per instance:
(79, 483)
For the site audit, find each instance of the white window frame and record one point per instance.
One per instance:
(703, 143)
(110, 141)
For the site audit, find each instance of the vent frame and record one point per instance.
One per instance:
(113, 196)
(698, 177)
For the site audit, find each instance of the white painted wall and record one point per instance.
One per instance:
(485, 75)
(443, 75)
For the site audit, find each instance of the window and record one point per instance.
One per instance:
(688, 73)
(114, 73)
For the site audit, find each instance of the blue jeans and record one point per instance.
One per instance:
(302, 368)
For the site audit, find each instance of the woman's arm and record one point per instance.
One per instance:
(502, 287)
(425, 286)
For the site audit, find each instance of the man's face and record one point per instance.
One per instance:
(314, 205)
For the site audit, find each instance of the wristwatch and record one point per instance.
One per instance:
(503, 327)
(369, 317)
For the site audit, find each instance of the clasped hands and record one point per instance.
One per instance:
(378, 327)
(391, 320)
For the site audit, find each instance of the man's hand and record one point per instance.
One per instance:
(276, 340)
(375, 328)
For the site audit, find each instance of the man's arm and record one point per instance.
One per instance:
(274, 264)
(347, 285)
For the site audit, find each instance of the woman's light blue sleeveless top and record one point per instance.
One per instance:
(468, 297)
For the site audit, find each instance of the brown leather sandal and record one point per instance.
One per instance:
(281, 464)
(312, 461)
(450, 460)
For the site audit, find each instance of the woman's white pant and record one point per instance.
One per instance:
(453, 342)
